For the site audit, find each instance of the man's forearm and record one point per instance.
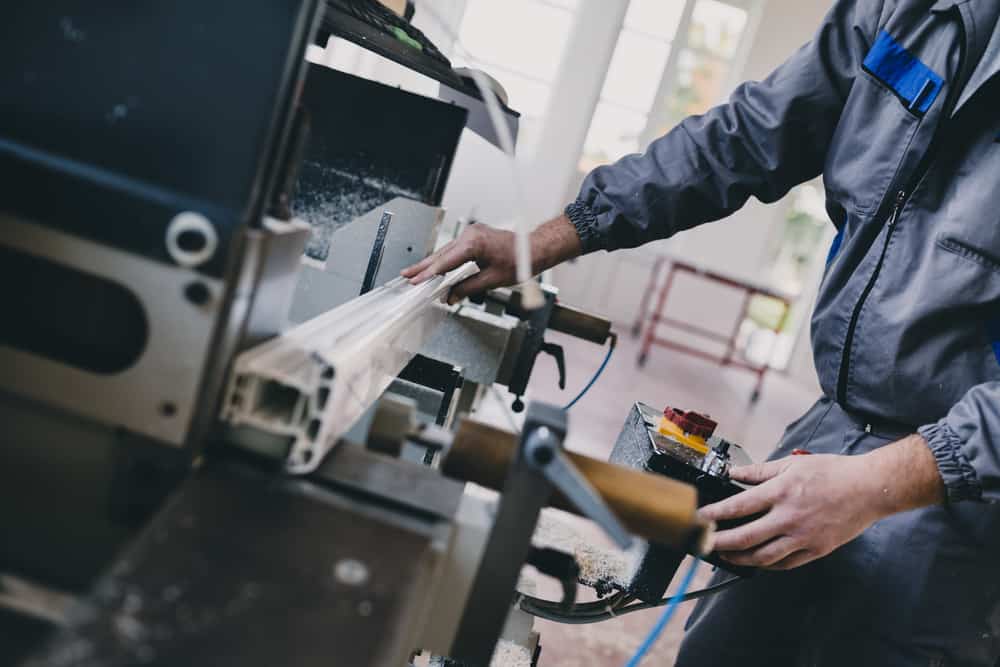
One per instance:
(552, 243)
(904, 476)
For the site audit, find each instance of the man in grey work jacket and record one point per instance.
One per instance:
(883, 549)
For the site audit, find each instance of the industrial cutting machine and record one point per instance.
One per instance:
(231, 436)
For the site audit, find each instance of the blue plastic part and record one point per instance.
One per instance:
(914, 82)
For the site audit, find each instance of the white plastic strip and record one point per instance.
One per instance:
(313, 382)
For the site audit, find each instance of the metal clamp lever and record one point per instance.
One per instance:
(556, 352)
(540, 467)
(543, 451)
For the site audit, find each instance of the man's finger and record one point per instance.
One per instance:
(765, 555)
(793, 560)
(752, 501)
(758, 473)
(445, 261)
(748, 536)
(414, 269)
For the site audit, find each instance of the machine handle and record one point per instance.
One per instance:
(580, 324)
(650, 506)
(565, 319)
(556, 352)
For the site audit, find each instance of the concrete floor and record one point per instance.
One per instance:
(668, 378)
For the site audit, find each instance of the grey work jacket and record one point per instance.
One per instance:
(897, 105)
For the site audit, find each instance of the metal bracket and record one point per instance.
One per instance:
(540, 468)
(526, 491)
(378, 249)
(543, 452)
(535, 323)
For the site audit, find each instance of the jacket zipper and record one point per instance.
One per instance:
(845, 359)
(922, 168)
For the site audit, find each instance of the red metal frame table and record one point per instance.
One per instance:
(656, 317)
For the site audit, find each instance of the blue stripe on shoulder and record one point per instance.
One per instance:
(914, 82)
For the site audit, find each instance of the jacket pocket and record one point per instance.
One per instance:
(992, 324)
(915, 84)
(873, 136)
(968, 252)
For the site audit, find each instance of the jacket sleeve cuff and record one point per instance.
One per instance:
(587, 227)
(960, 478)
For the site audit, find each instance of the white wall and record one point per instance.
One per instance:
(480, 184)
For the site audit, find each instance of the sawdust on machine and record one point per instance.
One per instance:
(509, 654)
(599, 564)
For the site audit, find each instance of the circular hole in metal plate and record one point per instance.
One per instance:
(191, 239)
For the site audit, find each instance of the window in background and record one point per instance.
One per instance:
(703, 65)
(705, 34)
(520, 44)
(632, 81)
(768, 333)
(801, 241)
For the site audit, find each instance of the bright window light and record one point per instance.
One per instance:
(657, 18)
(635, 71)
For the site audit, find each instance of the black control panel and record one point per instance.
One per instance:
(641, 445)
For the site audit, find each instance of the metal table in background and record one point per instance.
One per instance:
(650, 319)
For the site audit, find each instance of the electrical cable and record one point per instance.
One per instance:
(603, 610)
(664, 619)
(613, 341)
(613, 601)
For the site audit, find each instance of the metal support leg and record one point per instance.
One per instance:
(731, 343)
(644, 304)
(526, 491)
(755, 396)
(661, 301)
(541, 466)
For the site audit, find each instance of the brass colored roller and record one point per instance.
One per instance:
(653, 507)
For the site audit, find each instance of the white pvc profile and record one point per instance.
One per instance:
(312, 383)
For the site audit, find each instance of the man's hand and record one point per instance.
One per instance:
(493, 251)
(813, 504)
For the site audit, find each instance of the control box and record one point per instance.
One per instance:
(683, 446)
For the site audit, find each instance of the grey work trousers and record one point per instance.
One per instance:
(917, 588)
